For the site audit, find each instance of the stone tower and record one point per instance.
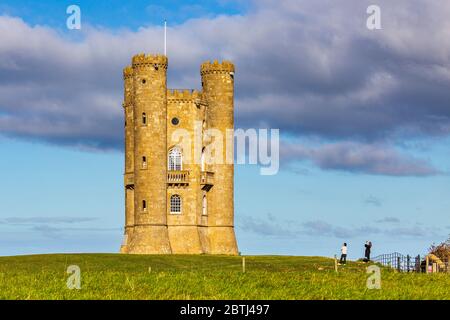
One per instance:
(175, 201)
(218, 89)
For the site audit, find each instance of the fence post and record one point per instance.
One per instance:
(418, 264)
(335, 264)
(243, 264)
(448, 264)
(427, 264)
(398, 264)
(408, 260)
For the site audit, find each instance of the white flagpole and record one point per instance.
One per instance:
(165, 37)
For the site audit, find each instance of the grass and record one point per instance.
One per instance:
(114, 276)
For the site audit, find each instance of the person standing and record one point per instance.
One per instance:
(343, 259)
(368, 247)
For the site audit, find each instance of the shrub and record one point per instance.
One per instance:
(442, 250)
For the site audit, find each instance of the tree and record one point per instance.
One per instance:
(442, 250)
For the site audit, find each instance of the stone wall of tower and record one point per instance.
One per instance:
(218, 90)
(183, 228)
(150, 234)
(129, 155)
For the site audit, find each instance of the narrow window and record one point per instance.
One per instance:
(144, 118)
(175, 204)
(202, 160)
(175, 160)
(144, 162)
(205, 206)
(144, 205)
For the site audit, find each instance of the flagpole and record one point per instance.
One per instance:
(165, 37)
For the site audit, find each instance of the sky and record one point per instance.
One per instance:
(364, 119)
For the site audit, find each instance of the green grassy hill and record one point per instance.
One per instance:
(114, 276)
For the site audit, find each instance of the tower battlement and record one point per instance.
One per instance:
(216, 67)
(127, 72)
(183, 95)
(146, 60)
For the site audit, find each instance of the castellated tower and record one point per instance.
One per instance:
(218, 88)
(175, 201)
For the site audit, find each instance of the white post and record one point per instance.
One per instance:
(335, 263)
(165, 37)
(243, 264)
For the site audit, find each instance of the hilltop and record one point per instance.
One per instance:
(115, 276)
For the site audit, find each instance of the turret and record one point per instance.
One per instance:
(150, 154)
(218, 90)
(129, 154)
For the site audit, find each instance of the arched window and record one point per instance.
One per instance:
(144, 162)
(205, 206)
(144, 118)
(144, 205)
(175, 159)
(175, 204)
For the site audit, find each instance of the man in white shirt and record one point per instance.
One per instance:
(343, 259)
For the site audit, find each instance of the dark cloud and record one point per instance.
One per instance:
(268, 226)
(355, 157)
(44, 220)
(54, 227)
(388, 220)
(48, 231)
(318, 227)
(273, 227)
(310, 68)
(373, 201)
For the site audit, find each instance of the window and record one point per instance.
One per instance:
(144, 118)
(144, 162)
(175, 159)
(205, 206)
(202, 161)
(144, 81)
(175, 204)
(144, 205)
(175, 121)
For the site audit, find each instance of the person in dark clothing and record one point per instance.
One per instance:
(343, 259)
(368, 247)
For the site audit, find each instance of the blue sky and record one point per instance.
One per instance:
(364, 120)
(116, 14)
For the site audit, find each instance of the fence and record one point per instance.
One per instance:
(402, 263)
